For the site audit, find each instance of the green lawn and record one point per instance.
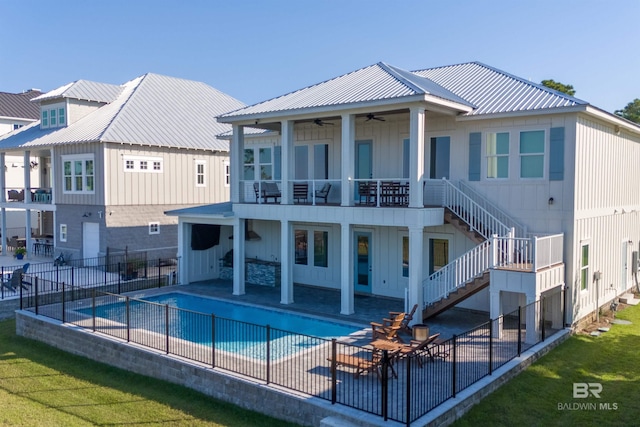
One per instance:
(43, 386)
(543, 394)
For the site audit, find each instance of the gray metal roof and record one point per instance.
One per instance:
(85, 90)
(494, 91)
(151, 110)
(19, 105)
(485, 89)
(373, 83)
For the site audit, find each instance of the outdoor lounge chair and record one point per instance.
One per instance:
(323, 193)
(404, 326)
(420, 349)
(267, 190)
(363, 365)
(16, 281)
(388, 329)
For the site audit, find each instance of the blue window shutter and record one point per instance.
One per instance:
(475, 141)
(556, 154)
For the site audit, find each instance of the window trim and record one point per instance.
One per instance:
(150, 164)
(154, 227)
(310, 234)
(585, 268)
(495, 155)
(202, 174)
(72, 159)
(545, 133)
(63, 232)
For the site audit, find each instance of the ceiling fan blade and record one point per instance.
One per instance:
(373, 117)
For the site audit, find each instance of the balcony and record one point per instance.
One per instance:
(38, 195)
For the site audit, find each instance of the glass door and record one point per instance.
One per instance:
(362, 258)
(364, 163)
(438, 254)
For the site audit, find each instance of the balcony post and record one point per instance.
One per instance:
(288, 159)
(416, 149)
(236, 157)
(286, 262)
(238, 257)
(348, 159)
(346, 270)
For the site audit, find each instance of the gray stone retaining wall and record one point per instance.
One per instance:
(8, 308)
(278, 403)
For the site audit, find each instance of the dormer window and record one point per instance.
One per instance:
(53, 116)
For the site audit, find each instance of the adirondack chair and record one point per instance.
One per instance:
(388, 329)
(404, 327)
(420, 349)
(363, 365)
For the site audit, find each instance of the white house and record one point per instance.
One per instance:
(460, 185)
(112, 158)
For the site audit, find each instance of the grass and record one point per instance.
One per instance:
(542, 395)
(43, 386)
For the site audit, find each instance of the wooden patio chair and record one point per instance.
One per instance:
(363, 365)
(420, 349)
(300, 191)
(388, 329)
(404, 327)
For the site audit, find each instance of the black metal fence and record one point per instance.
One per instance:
(396, 387)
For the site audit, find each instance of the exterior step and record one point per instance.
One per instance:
(629, 299)
(471, 288)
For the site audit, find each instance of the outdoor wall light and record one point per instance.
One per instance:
(550, 200)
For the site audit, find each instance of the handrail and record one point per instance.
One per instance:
(457, 273)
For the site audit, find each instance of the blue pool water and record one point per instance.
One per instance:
(235, 325)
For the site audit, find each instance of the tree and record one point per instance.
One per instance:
(560, 87)
(631, 111)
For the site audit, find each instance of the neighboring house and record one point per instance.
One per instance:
(457, 177)
(112, 158)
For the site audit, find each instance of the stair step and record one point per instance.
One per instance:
(629, 299)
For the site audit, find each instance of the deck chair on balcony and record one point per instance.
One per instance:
(323, 193)
(363, 365)
(404, 327)
(388, 329)
(300, 191)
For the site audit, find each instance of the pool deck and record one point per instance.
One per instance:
(325, 303)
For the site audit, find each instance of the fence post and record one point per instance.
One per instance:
(213, 340)
(64, 300)
(57, 276)
(128, 323)
(159, 274)
(166, 325)
(490, 347)
(36, 296)
(334, 380)
(268, 354)
(542, 318)
(119, 277)
(519, 331)
(384, 390)
(93, 308)
(408, 391)
(453, 370)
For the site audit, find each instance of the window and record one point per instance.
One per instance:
(249, 167)
(52, 118)
(200, 177)
(154, 228)
(498, 155)
(584, 267)
(532, 154)
(17, 126)
(63, 232)
(266, 165)
(78, 174)
(320, 253)
(61, 117)
(405, 256)
(314, 165)
(301, 246)
(44, 122)
(142, 164)
(227, 174)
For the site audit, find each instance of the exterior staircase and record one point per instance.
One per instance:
(478, 219)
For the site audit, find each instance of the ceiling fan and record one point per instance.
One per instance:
(319, 122)
(373, 117)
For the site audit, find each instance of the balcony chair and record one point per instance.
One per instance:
(323, 193)
(300, 191)
(267, 190)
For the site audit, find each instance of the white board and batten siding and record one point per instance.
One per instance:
(96, 197)
(174, 184)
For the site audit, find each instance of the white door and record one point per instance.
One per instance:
(90, 242)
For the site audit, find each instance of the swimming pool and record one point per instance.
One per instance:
(240, 329)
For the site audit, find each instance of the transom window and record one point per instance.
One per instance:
(532, 154)
(78, 174)
(497, 155)
(142, 164)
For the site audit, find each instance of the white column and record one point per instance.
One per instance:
(416, 256)
(27, 199)
(416, 165)
(54, 189)
(286, 263)
(348, 158)
(3, 198)
(288, 159)
(532, 314)
(238, 257)
(346, 270)
(495, 311)
(236, 161)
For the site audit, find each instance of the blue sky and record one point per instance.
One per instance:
(256, 50)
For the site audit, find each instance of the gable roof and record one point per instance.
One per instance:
(19, 105)
(376, 82)
(484, 90)
(151, 110)
(85, 90)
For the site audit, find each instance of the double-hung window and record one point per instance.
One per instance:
(78, 174)
(532, 154)
(584, 267)
(497, 155)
